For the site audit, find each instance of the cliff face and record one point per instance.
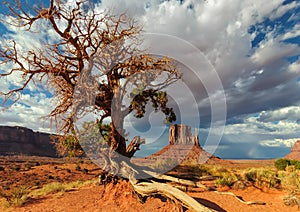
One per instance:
(182, 134)
(295, 152)
(23, 141)
(183, 146)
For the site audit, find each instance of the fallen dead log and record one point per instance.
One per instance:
(151, 188)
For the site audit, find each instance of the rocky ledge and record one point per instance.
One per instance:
(24, 141)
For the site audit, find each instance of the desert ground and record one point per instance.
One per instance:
(33, 173)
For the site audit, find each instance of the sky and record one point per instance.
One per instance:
(241, 73)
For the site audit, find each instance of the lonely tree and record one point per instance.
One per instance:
(92, 61)
(88, 56)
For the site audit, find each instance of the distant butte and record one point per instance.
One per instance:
(295, 152)
(183, 146)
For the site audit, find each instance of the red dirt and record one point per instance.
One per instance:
(118, 197)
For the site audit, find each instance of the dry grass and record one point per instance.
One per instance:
(19, 196)
(56, 187)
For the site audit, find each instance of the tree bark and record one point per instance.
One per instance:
(134, 146)
(151, 188)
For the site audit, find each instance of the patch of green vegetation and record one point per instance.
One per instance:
(17, 197)
(227, 179)
(56, 187)
(262, 177)
(282, 163)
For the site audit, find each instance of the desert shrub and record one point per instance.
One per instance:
(164, 164)
(262, 177)
(218, 171)
(295, 163)
(251, 175)
(291, 180)
(2, 168)
(56, 187)
(290, 168)
(85, 171)
(201, 170)
(227, 179)
(282, 163)
(197, 169)
(17, 197)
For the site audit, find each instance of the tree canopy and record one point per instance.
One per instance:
(90, 59)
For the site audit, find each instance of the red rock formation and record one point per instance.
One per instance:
(295, 152)
(183, 146)
(181, 134)
(23, 141)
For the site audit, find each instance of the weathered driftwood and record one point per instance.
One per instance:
(151, 188)
(177, 180)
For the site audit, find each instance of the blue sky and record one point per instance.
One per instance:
(249, 68)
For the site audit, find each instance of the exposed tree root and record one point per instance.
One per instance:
(145, 188)
(177, 180)
(151, 188)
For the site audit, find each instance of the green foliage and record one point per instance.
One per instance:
(262, 177)
(91, 133)
(217, 171)
(282, 163)
(251, 175)
(295, 163)
(159, 100)
(227, 179)
(69, 145)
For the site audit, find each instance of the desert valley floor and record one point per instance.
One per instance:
(35, 172)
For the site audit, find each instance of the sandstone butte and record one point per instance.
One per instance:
(295, 152)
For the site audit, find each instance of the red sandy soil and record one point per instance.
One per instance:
(119, 197)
